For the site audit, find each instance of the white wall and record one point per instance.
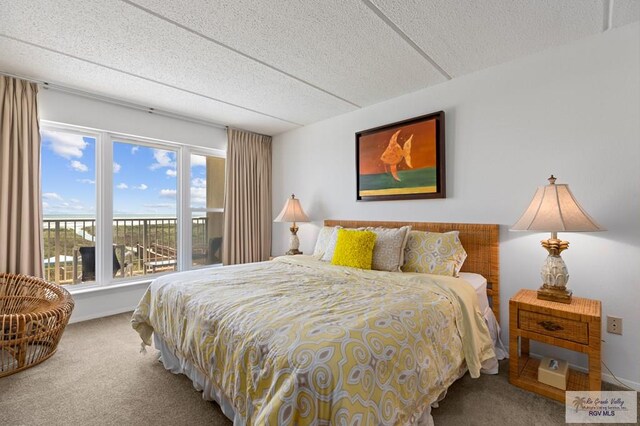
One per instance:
(81, 111)
(573, 111)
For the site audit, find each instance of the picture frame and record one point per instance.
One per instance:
(402, 161)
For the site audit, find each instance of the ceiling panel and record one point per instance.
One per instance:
(464, 36)
(625, 12)
(269, 66)
(39, 64)
(341, 46)
(123, 37)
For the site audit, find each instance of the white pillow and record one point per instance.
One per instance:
(324, 236)
(331, 245)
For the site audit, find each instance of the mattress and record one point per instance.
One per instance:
(298, 341)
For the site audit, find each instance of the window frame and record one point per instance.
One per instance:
(104, 199)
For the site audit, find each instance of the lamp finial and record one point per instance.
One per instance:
(293, 196)
(552, 180)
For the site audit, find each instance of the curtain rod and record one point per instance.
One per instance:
(115, 101)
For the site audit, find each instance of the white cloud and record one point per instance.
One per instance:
(66, 145)
(198, 191)
(51, 196)
(66, 208)
(161, 206)
(199, 183)
(78, 166)
(141, 187)
(163, 159)
(87, 181)
(198, 196)
(70, 206)
(122, 186)
(171, 173)
(135, 149)
(198, 160)
(168, 193)
(116, 167)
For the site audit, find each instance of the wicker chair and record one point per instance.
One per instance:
(33, 315)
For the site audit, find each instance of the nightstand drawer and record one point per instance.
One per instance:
(560, 328)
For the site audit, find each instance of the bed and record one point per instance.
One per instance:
(300, 341)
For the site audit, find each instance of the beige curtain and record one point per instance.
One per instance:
(20, 207)
(247, 207)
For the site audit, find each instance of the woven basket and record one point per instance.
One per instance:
(33, 315)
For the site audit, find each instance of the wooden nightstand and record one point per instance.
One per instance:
(574, 326)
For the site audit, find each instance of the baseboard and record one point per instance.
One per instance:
(610, 379)
(100, 314)
(606, 377)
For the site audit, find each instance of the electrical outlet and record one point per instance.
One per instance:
(614, 325)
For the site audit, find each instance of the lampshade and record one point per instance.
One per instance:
(555, 209)
(292, 212)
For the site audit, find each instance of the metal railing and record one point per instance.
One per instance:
(141, 246)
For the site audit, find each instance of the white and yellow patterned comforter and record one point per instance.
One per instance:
(299, 341)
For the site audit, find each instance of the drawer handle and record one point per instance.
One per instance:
(550, 326)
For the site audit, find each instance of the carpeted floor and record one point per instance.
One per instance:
(98, 377)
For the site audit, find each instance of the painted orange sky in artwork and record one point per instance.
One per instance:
(423, 147)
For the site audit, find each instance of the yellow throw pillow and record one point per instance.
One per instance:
(354, 248)
(434, 253)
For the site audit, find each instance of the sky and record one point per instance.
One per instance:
(144, 178)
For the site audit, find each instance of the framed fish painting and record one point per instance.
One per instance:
(402, 161)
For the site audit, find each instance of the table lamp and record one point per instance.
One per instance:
(554, 209)
(292, 212)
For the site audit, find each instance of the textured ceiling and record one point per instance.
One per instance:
(270, 66)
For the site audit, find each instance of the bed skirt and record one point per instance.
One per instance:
(200, 382)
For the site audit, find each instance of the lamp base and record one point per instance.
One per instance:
(294, 242)
(561, 295)
(554, 272)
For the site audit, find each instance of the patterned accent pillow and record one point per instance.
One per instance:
(354, 248)
(331, 245)
(434, 253)
(324, 237)
(388, 253)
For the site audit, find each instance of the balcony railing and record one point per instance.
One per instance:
(141, 245)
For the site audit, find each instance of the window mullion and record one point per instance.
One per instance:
(184, 213)
(104, 212)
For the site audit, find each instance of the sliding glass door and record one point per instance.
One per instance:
(207, 209)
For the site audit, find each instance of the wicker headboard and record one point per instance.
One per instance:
(480, 241)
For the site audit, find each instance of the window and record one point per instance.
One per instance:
(114, 210)
(69, 205)
(145, 224)
(207, 209)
